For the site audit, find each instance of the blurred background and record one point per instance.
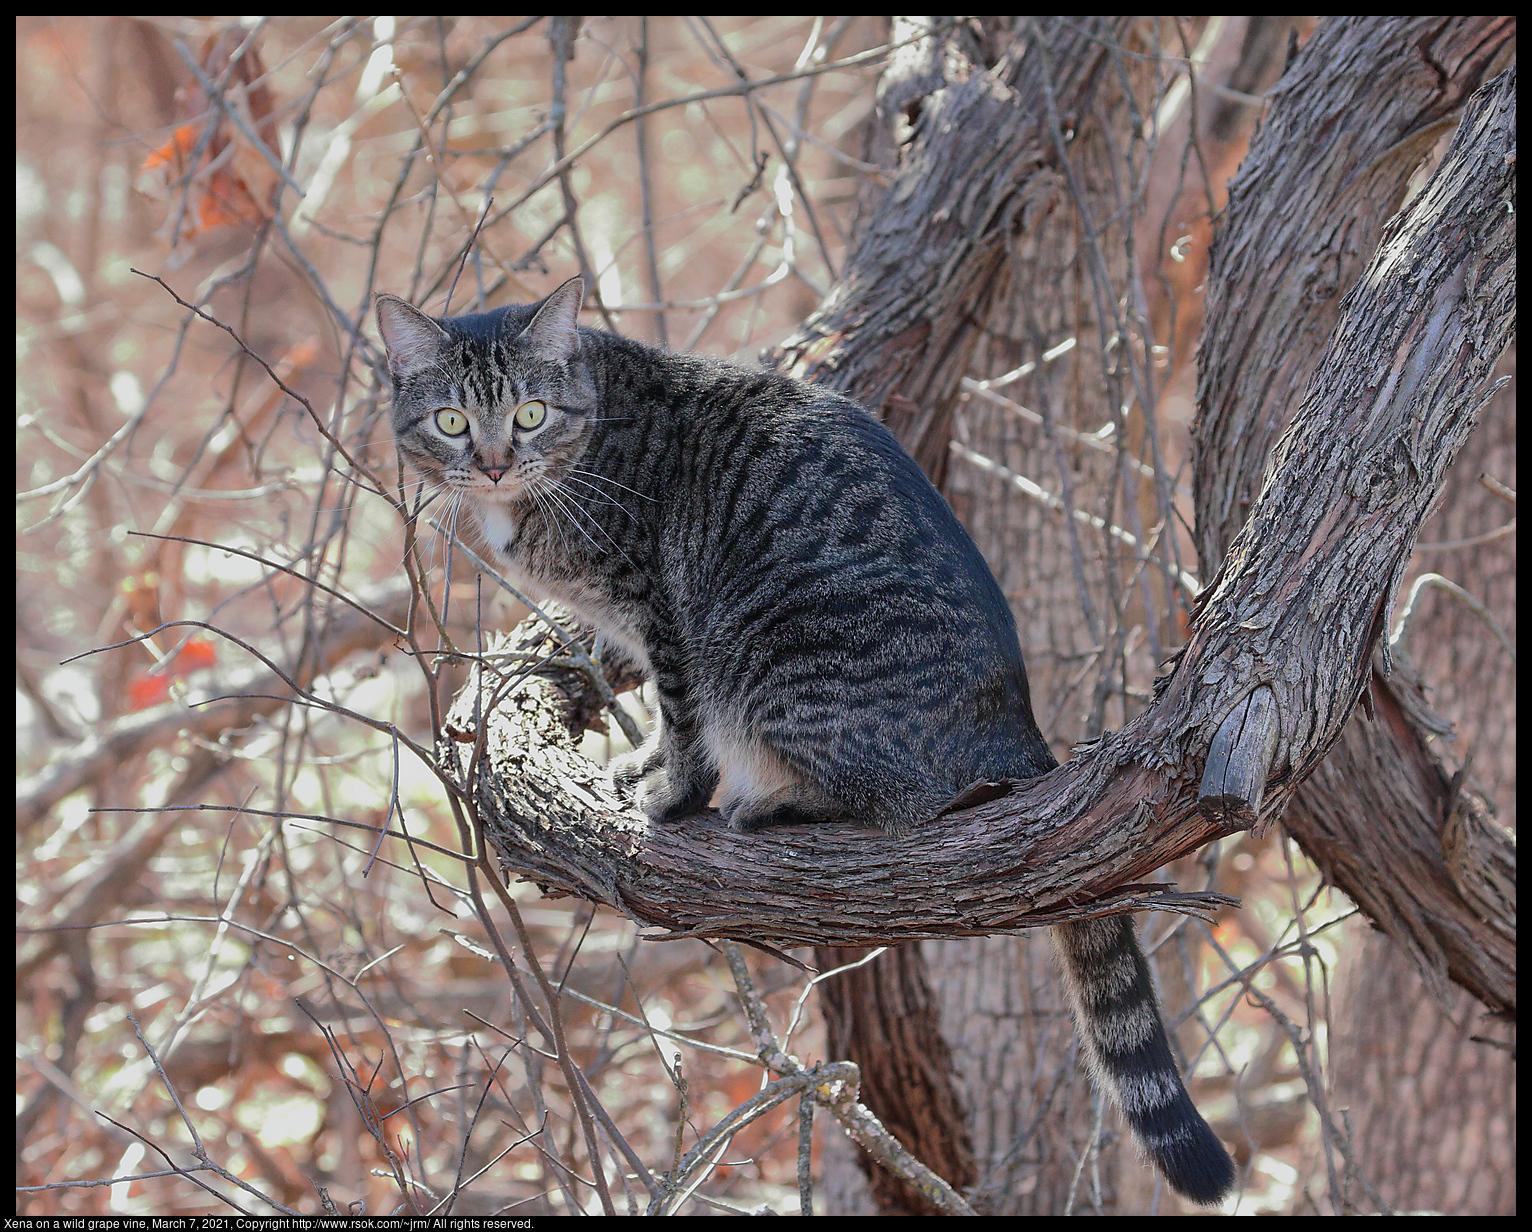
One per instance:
(205, 208)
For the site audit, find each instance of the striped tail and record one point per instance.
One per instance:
(1119, 1024)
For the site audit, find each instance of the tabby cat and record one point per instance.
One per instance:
(824, 637)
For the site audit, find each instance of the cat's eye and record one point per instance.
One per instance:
(531, 415)
(453, 423)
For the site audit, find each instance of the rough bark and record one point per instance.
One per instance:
(1380, 800)
(883, 1015)
(1297, 607)
(1029, 1108)
(901, 324)
(1069, 276)
(1432, 1112)
(1347, 127)
(1385, 816)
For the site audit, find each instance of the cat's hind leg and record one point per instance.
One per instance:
(867, 777)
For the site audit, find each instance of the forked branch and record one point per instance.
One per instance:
(1297, 607)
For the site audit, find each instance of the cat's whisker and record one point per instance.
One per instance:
(549, 517)
(551, 489)
(443, 492)
(430, 533)
(594, 493)
(572, 501)
(581, 470)
(448, 540)
(446, 517)
(554, 490)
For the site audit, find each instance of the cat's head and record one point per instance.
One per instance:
(490, 404)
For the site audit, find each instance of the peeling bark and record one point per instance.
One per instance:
(1298, 605)
(1421, 328)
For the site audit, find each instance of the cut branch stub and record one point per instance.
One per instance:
(1234, 778)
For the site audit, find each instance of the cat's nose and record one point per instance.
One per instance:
(494, 473)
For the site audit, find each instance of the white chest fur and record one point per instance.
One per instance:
(501, 527)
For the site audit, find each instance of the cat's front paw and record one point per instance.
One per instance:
(628, 769)
(661, 781)
(663, 796)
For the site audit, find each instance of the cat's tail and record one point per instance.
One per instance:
(1124, 1040)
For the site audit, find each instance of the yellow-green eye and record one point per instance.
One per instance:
(453, 423)
(530, 415)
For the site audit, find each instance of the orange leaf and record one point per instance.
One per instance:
(197, 653)
(147, 691)
(182, 142)
(223, 190)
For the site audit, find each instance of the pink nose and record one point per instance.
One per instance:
(494, 473)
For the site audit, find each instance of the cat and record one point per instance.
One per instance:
(824, 637)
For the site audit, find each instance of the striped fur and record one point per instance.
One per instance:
(824, 637)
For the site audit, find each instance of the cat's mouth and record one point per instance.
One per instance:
(504, 485)
(509, 490)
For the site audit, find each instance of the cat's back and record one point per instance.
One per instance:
(801, 476)
(765, 492)
(796, 533)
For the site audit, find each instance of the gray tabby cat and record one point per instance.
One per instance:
(825, 639)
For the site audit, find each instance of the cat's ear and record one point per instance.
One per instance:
(413, 340)
(552, 331)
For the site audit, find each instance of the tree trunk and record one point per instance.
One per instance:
(1295, 609)
(1430, 1109)
(1382, 816)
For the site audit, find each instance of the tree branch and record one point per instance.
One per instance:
(1372, 816)
(1298, 605)
(981, 870)
(260, 693)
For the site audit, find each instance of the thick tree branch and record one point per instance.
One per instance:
(555, 822)
(1303, 220)
(1303, 593)
(1374, 816)
(898, 330)
(1297, 606)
